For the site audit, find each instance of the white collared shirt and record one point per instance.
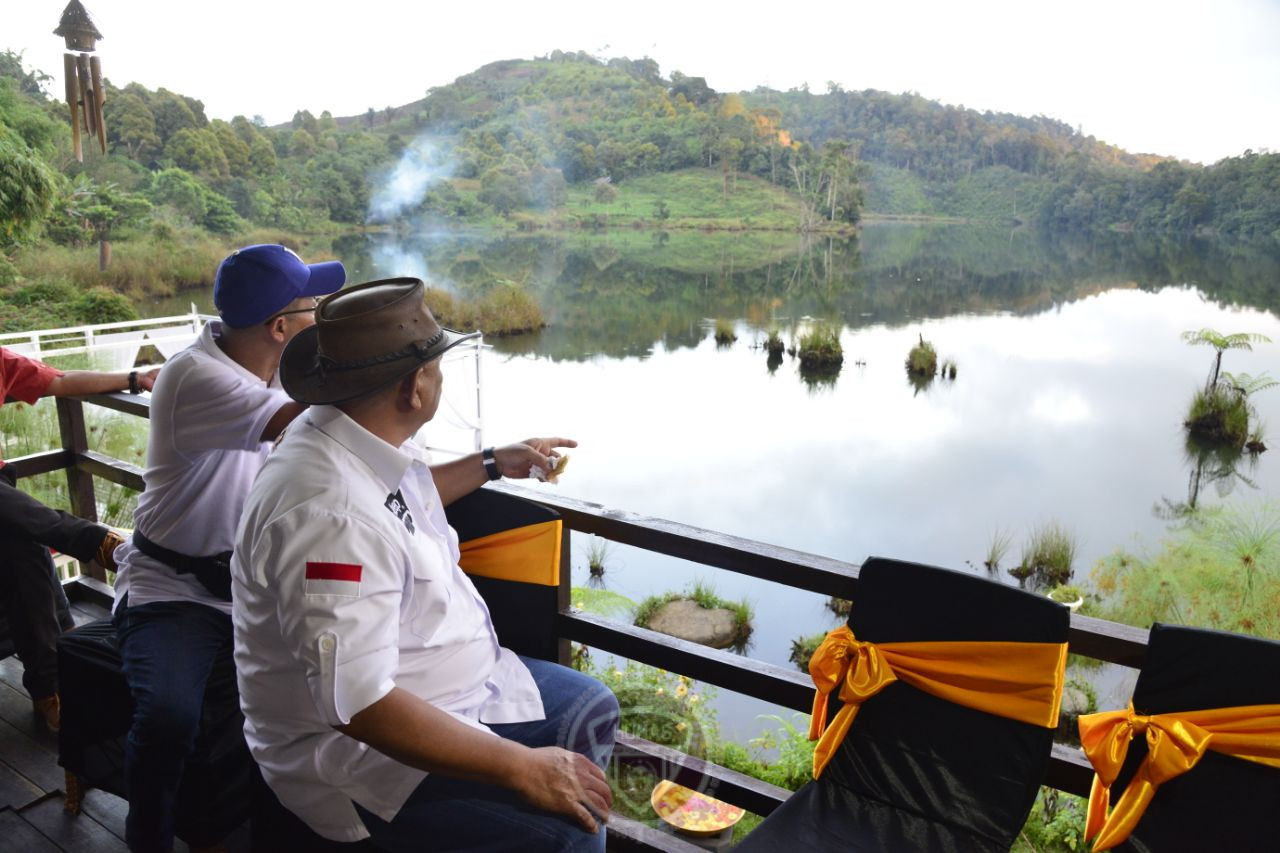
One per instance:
(205, 447)
(346, 583)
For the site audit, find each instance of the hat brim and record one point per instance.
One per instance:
(306, 383)
(326, 277)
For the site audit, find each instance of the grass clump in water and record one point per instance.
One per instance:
(820, 348)
(725, 333)
(501, 310)
(1047, 557)
(923, 359)
(704, 595)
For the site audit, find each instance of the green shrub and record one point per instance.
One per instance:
(802, 649)
(774, 343)
(1055, 825)
(725, 333)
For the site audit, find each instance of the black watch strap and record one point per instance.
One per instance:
(134, 388)
(490, 464)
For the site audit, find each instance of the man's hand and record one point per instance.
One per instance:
(515, 460)
(147, 381)
(564, 782)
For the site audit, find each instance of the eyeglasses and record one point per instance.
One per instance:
(315, 302)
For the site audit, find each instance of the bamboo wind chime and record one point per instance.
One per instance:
(83, 75)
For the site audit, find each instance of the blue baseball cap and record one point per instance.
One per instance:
(257, 281)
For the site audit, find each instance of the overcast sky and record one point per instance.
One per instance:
(1196, 79)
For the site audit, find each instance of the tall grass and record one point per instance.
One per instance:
(1047, 556)
(725, 333)
(1220, 570)
(501, 310)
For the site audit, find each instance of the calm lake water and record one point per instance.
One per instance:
(1072, 383)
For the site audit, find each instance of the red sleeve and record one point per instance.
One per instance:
(24, 378)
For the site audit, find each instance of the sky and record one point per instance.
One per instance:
(1194, 79)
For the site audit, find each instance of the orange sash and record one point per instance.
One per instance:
(528, 554)
(1175, 742)
(1019, 681)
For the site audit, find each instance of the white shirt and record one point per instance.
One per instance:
(346, 583)
(207, 417)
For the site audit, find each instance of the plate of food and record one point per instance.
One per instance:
(692, 812)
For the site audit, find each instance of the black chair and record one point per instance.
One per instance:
(97, 710)
(1223, 803)
(519, 586)
(916, 772)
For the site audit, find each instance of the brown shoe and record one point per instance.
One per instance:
(106, 550)
(49, 710)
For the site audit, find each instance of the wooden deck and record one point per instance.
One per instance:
(31, 782)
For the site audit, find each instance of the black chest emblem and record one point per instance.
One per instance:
(400, 509)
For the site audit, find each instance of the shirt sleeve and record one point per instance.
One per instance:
(24, 378)
(220, 410)
(338, 586)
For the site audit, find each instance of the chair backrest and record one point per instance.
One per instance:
(953, 765)
(1223, 803)
(519, 582)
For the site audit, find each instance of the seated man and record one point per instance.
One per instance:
(30, 593)
(215, 411)
(377, 700)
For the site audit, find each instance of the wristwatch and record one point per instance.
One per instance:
(490, 464)
(134, 387)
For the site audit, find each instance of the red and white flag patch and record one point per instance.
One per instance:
(334, 579)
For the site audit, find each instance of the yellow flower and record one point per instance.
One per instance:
(578, 605)
(681, 690)
(681, 726)
(660, 691)
(693, 698)
(617, 673)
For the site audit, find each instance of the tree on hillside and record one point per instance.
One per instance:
(27, 188)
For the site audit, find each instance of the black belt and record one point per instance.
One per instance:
(214, 573)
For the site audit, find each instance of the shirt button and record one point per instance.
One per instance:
(326, 643)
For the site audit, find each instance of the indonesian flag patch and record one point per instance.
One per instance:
(334, 579)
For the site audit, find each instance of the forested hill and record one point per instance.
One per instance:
(570, 139)
(622, 118)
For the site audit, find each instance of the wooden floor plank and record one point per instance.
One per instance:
(15, 789)
(30, 759)
(107, 809)
(71, 833)
(11, 674)
(15, 709)
(21, 837)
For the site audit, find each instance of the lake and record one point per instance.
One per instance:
(1072, 382)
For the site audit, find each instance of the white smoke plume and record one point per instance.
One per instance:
(422, 165)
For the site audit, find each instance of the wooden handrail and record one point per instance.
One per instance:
(1095, 638)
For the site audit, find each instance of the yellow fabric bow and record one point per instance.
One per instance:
(1175, 743)
(1019, 681)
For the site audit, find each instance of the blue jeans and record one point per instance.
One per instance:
(581, 715)
(169, 649)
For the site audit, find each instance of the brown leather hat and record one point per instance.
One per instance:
(365, 338)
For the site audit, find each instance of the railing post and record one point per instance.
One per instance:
(79, 482)
(564, 595)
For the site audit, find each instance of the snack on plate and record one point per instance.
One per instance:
(692, 812)
(558, 464)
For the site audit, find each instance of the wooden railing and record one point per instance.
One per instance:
(1067, 771)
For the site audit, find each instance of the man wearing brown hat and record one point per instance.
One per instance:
(371, 679)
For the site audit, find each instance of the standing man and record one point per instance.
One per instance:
(214, 413)
(378, 702)
(30, 592)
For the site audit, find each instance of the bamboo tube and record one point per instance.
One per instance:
(99, 97)
(86, 92)
(72, 85)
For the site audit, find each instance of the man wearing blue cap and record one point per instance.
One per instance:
(215, 410)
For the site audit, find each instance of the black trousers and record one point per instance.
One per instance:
(30, 593)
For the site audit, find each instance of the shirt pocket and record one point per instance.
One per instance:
(424, 619)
